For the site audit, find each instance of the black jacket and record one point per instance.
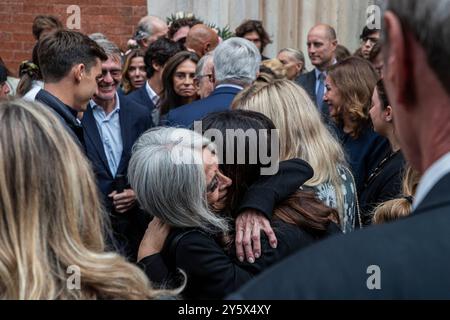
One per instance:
(409, 257)
(67, 115)
(385, 183)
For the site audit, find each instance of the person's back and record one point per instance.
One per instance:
(51, 218)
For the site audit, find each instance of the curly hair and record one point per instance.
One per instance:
(355, 79)
(254, 26)
(183, 22)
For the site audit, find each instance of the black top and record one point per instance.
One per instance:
(364, 153)
(67, 115)
(406, 259)
(211, 272)
(384, 183)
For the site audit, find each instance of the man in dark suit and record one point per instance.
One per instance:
(322, 43)
(236, 63)
(112, 124)
(407, 259)
(155, 59)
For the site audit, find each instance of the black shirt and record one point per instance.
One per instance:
(67, 115)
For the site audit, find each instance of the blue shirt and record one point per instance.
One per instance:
(110, 133)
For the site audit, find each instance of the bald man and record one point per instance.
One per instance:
(201, 39)
(322, 43)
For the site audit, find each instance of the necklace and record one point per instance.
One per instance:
(380, 166)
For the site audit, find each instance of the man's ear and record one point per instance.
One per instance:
(388, 114)
(398, 64)
(156, 67)
(78, 71)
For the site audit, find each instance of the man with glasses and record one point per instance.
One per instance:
(204, 80)
(369, 38)
(112, 123)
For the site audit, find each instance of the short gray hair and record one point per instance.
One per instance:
(145, 27)
(236, 59)
(110, 48)
(202, 62)
(171, 190)
(429, 22)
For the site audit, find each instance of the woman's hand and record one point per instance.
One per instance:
(154, 238)
(248, 235)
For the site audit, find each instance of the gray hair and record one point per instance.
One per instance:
(110, 48)
(429, 22)
(145, 27)
(202, 62)
(97, 36)
(297, 54)
(236, 59)
(170, 189)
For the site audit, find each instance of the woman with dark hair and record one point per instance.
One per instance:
(385, 181)
(253, 31)
(200, 242)
(350, 86)
(178, 81)
(134, 74)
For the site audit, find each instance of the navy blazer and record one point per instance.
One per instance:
(140, 96)
(219, 100)
(308, 82)
(409, 258)
(134, 120)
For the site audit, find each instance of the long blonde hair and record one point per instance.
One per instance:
(302, 133)
(51, 217)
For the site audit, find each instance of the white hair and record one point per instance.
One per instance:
(170, 189)
(236, 59)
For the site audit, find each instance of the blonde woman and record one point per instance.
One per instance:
(51, 222)
(303, 135)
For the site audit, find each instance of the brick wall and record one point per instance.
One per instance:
(114, 18)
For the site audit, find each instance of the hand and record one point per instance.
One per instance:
(154, 238)
(123, 201)
(248, 231)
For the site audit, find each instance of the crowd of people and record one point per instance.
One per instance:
(152, 169)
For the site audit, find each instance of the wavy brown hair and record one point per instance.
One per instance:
(355, 79)
(51, 217)
(126, 82)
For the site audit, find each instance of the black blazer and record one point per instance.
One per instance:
(134, 120)
(412, 256)
(308, 82)
(385, 183)
(140, 96)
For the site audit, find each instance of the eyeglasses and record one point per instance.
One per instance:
(209, 75)
(115, 73)
(372, 40)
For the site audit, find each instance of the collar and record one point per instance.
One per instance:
(65, 111)
(225, 85)
(151, 93)
(317, 71)
(93, 105)
(431, 177)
